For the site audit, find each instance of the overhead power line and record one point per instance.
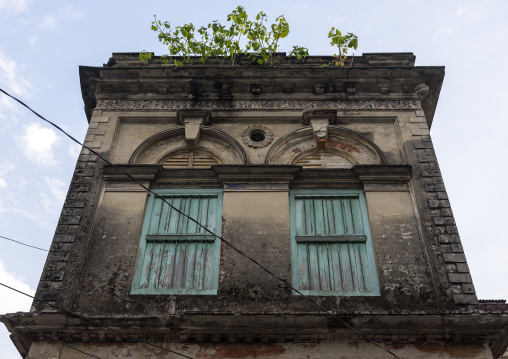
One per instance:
(205, 228)
(28, 245)
(50, 337)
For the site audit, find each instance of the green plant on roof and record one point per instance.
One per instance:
(238, 37)
(343, 43)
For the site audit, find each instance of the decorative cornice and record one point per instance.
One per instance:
(382, 174)
(256, 105)
(403, 329)
(139, 172)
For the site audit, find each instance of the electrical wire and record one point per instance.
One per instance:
(49, 336)
(94, 322)
(206, 229)
(28, 245)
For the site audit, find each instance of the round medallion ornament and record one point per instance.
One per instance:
(257, 136)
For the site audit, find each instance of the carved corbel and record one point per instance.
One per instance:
(422, 90)
(320, 130)
(320, 120)
(193, 120)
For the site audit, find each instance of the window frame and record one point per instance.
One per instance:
(135, 286)
(368, 243)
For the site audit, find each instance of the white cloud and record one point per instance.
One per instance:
(51, 21)
(10, 301)
(52, 200)
(32, 40)
(335, 20)
(302, 6)
(74, 150)
(48, 22)
(10, 76)
(12, 81)
(38, 144)
(473, 13)
(5, 167)
(13, 7)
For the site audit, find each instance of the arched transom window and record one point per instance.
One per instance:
(190, 159)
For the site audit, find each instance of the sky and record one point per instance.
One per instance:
(42, 43)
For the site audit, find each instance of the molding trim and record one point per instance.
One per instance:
(139, 172)
(389, 328)
(257, 105)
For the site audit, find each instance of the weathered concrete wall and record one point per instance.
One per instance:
(100, 268)
(108, 267)
(405, 276)
(257, 222)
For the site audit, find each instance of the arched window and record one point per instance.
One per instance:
(190, 159)
(323, 159)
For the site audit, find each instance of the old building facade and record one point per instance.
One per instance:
(326, 176)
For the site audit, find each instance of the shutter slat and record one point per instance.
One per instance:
(155, 218)
(348, 218)
(183, 220)
(330, 217)
(338, 216)
(199, 266)
(173, 215)
(190, 265)
(345, 267)
(302, 264)
(365, 268)
(355, 270)
(357, 216)
(313, 267)
(319, 219)
(335, 267)
(179, 268)
(167, 267)
(323, 265)
(208, 281)
(210, 222)
(300, 218)
(156, 265)
(146, 266)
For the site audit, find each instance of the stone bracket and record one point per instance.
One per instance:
(193, 120)
(422, 90)
(192, 131)
(320, 130)
(320, 120)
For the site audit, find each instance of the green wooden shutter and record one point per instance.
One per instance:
(331, 245)
(176, 256)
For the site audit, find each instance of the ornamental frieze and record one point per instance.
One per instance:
(257, 105)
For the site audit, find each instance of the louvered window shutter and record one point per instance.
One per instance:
(177, 256)
(332, 250)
